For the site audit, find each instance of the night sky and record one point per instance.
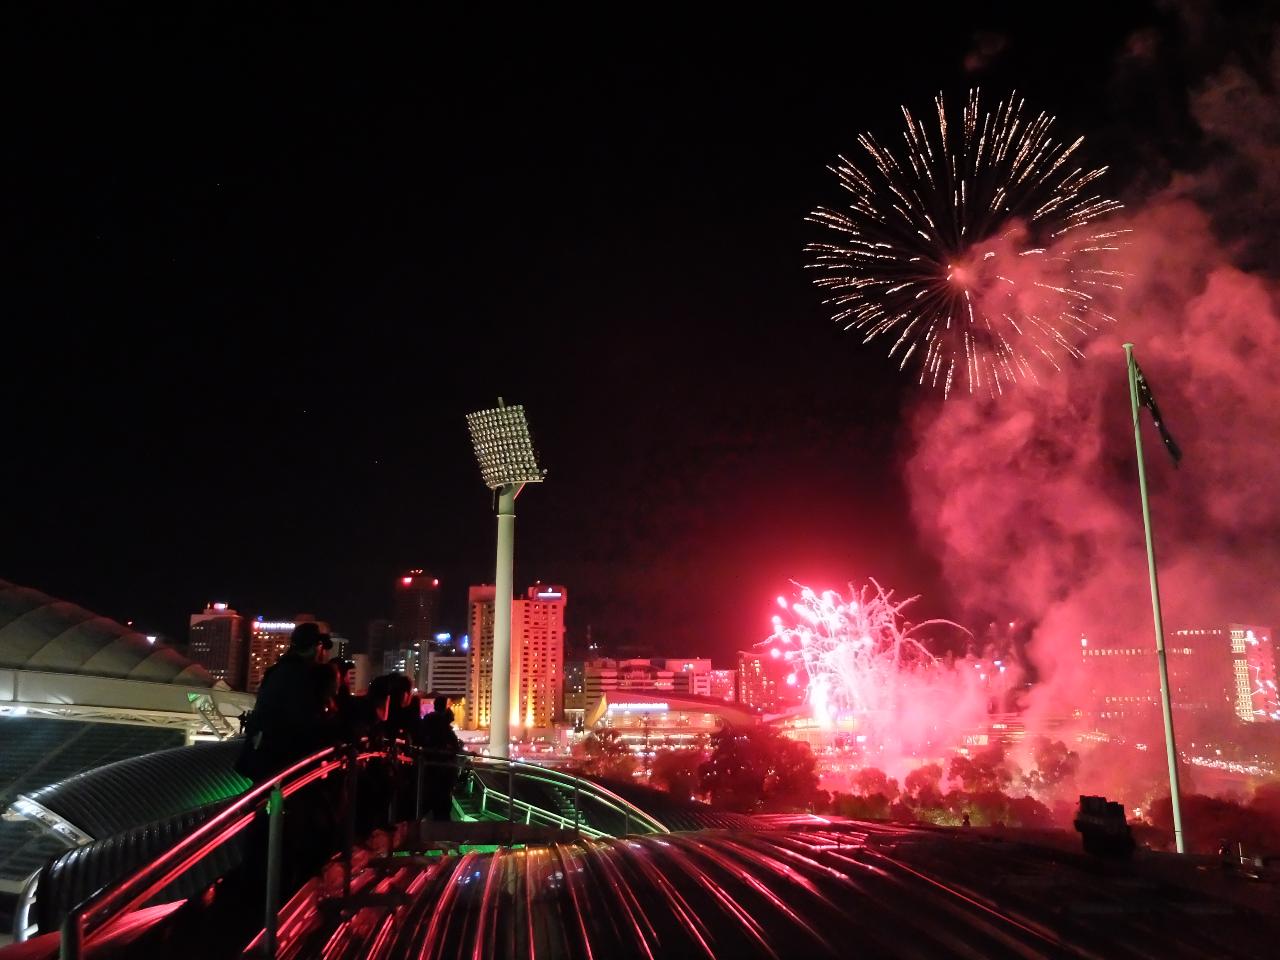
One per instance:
(259, 268)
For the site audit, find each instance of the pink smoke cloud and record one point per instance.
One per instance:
(1031, 499)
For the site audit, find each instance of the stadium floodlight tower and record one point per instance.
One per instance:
(507, 461)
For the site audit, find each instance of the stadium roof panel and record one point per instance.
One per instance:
(38, 632)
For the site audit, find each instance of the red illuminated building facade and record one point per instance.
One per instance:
(1217, 674)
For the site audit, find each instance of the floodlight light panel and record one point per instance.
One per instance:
(503, 447)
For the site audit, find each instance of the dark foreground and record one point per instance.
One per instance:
(809, 888)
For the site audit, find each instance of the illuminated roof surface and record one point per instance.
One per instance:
(38, 632)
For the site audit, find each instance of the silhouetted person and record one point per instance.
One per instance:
(440, 747)
(355, 718)
(965, 821)
(292, 716)
(404, 711)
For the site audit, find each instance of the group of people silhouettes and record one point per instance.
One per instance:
(306, 703)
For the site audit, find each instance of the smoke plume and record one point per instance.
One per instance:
(1031, 499)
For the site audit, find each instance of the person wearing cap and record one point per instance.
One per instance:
(290, 718)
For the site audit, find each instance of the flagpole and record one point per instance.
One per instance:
(1165, 706)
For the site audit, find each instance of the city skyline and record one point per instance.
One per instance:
(858, 572)
(711, 437)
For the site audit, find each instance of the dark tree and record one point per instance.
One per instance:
(755, 769)
(984, 772)
(605, 754)
(870, 781)
(676, 771)
(1055, 765)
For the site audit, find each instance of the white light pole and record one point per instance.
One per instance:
(507, 461)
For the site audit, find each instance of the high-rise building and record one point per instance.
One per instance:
(575, 689)
(537, 656)
(724, 684)
(762, 682)
(414, 623)
(364, 673)
(379, 637)
(540, 641)
(445, 674)
(268, 641)
(216, 642)
(406, 660)
(480, 600)
(1215, 673)
(1253, 661)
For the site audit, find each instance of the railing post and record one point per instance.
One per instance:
(393, 767)
(71, 942)
(577, 781)
(351, 795)
(511, 791)
(511, 804)
(274, 804)
(421, 770)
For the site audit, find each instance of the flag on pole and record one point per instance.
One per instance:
(1149, 401)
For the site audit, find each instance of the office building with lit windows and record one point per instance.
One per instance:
(763, 682)
(1216, 673)
(216, 642)
(268, 641)
(537, 656)
(689, 676)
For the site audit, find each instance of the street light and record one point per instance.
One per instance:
(504, 451)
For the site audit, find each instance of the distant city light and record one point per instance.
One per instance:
(444, 636)
(151, 638)
(219, 606)
(465, 642)
(406, 580)
(639, 707)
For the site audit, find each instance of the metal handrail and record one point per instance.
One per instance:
(599, 792)
(195, 846)
(552, 819)
(96, 912)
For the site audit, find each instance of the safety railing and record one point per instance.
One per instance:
(630, 818)
(93, 920)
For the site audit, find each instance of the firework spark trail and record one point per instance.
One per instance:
(974, 251)
(861, 660)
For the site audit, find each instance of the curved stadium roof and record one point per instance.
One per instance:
(40, 633)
